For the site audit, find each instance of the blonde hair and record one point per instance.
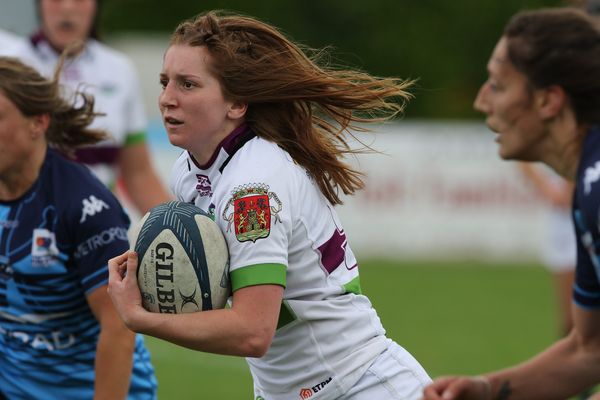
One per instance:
(306, 108)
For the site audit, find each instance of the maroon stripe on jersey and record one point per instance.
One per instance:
(227, 144)
(333, 251)
(95, 155)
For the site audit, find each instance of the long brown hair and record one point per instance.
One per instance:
(294, 99)
(35, 95)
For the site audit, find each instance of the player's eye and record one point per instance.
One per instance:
(163, 82)
(493, 85)
(187, 84)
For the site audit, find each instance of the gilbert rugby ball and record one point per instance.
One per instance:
(183, 260)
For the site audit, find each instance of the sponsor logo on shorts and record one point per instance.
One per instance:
(307, 393)
(252, 212)
(92, 206)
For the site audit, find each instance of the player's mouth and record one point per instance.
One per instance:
(170, 121)
(67, 25)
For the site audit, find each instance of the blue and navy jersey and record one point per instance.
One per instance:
(55, 242)
(586, 208)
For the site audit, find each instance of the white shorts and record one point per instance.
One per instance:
(394, 375)
(559, 250)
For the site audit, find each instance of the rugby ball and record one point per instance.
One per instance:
(183, 260)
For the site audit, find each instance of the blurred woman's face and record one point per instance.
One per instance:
(16, 143)
(65, 21)
(508, 102)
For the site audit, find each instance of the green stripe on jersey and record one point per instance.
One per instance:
(135, 138)
(353, 286)
(258, 274)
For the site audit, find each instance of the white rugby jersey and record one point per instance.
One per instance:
(280, 229)
(10, 44)
(111, 78)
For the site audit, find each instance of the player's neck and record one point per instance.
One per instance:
(563, 151)
(17, 180)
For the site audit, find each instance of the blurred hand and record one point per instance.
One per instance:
(458, 388)
(123, 289)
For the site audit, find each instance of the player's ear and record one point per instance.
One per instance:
(237, 110)
(38, 125)
(551, 101)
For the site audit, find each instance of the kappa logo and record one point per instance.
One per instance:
(91, 207)
(592, 175)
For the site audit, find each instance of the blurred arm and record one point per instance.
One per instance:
(143, 186)
(564, 369)
(114, 351)
(557, 194)
(567, 367)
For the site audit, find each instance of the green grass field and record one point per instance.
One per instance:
(453, 317)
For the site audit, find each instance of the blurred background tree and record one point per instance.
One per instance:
(444, 44)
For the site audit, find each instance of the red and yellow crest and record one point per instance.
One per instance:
(252, 212)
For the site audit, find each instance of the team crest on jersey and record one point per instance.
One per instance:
(43, 247)
(252, 212)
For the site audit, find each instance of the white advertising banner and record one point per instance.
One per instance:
(435, 191)
(441, 191)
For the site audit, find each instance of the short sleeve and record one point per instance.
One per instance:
(256, 218)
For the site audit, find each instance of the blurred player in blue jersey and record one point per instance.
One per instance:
(542, 98)
(265, 129)
(110, 77)
(60, 336)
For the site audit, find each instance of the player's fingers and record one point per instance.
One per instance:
(115, 262)
(431, 394)
(132, 264)
(467, 388)
(115, 266)
(434, 390)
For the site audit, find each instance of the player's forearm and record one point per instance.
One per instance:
(146, 191)
(559, 372)
(114, 362)
(215, 331)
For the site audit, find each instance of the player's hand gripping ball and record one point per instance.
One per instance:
(183, 260)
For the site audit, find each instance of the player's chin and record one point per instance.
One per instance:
(509, 153)
(176, 138)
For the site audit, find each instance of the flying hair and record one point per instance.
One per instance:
(295, 98)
